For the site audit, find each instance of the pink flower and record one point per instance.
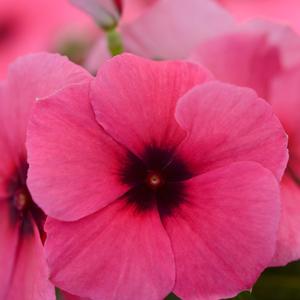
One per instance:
(176, 26)
(164, 176)
(23, 272)
(35, 25)
(283, 11)
(285, 100)
(266, 57)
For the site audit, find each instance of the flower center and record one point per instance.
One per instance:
(155, 180)
(20, 200)
(23, 211)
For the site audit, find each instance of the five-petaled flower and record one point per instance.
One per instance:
(156, 179)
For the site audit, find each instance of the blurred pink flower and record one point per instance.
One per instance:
(266, 57)
(168, 29)
(164, 176)
(108, 13)
(23, 272)
(284, 11)
(35, 25)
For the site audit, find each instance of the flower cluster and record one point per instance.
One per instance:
(174, 169)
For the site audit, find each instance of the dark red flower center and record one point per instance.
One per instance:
(154, 180)
(21, 200)
(157, 179)
(23, 211)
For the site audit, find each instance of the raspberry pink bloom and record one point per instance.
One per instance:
(176, 26)
(266, 57)
(166, 175)
(23, 272)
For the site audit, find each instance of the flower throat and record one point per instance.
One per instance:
(23, 211)
(156, 180)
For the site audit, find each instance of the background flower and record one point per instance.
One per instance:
(285, 12)
(24, 272)
(265, 56)
(108, 13)
(176, 26)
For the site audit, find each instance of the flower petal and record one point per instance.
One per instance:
(134, 8)
(67, 296)
(255, 60)
(30, 275)
(116, 253)
(288, 244)
(137, 106)
(8, 161)
(228, 124)
(170, 29)
(74, 164)
(32, 77)
(280, 11)
(98, 54)
(285, 99)
(29, 78)
(225, 234)
(104, 12)
(8, 242)
(280, 36)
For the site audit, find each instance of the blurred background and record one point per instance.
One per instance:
(38, 25)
